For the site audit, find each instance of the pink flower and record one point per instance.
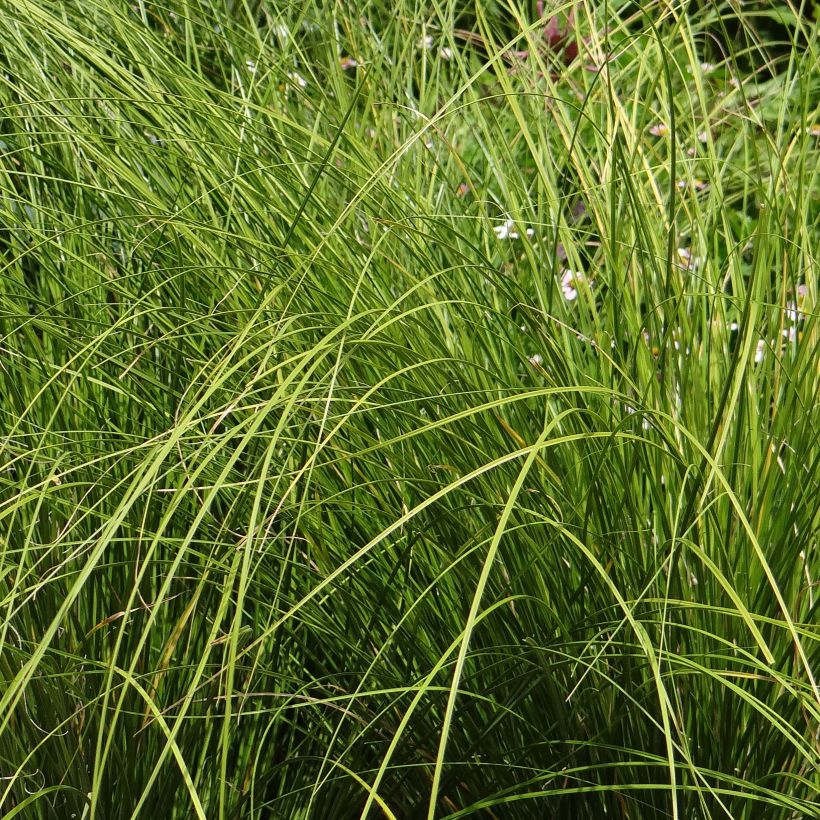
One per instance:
(571, 282)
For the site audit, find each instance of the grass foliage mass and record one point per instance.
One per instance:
(409, 410)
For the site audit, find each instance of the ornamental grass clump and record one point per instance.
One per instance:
(409, 410)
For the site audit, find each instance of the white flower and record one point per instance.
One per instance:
(281, 31)
(536, 360)
(631, 410)
(687, 260)
(796, 309)
(507, 231)
(251, 66)
(446, 53)
(697, 184)
(571, 281)
(425, 42)
(706, 68)
(760, 350)
(503, 231)
(296, 77)
(703, 137)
